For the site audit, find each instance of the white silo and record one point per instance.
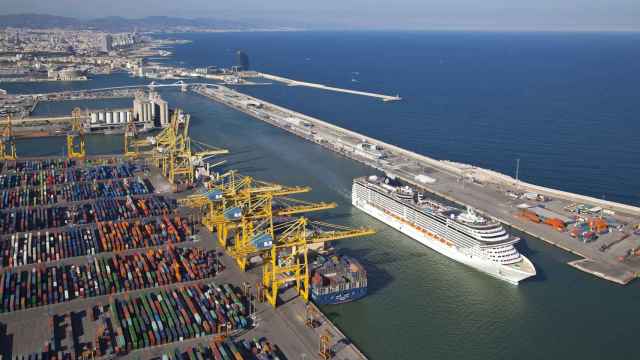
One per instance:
(101, 116)
(94, 117)
(109, 117)
(123, 117)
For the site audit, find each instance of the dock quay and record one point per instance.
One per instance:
(101, 248)
(291, 82)
(612, 255)
(89, 94)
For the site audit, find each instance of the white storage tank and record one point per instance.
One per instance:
(94, 118)
(128, 116)
(109, 117)
(101, 116)
(123, 117)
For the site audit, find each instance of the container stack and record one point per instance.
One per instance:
(256, 349)
(58, 176)
(40, 218)
(48, 246)
(45, 194)
(175, 315)
(23, 290)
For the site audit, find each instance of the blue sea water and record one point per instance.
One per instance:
(564, 99)
(565, 104)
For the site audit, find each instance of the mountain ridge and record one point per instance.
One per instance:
(122, 24)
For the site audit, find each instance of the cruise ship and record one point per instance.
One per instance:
(464, 236)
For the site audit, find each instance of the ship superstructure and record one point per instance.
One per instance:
(465, 236)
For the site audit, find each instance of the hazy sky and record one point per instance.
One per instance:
(372, 14)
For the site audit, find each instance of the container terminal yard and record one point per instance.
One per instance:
(605, 234)
(150, 254)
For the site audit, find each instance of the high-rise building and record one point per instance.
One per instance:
(107, 43)
(242, 60)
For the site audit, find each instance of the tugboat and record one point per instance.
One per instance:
(337, 279)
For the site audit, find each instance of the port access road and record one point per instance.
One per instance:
(609, 257)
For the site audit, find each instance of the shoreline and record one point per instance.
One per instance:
(607, 265)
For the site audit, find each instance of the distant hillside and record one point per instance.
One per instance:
(116, 24)
(37, 21)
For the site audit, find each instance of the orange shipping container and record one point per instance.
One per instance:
(530, 216)
(555, 223)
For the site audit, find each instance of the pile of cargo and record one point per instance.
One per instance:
(258, 349)
(599, 225)
(51, 285)
(129, 208)
(174, 315)
(29, 219)
(143, 233)
(583, 232)
(541, 215)
(71, 191)
(588, 230)
(39, 218)
(60, 176)
(337, 279)
(49, 246)
(44, 164)
(43, 247)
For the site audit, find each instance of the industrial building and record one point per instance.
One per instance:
(108, 118)
(151, 110)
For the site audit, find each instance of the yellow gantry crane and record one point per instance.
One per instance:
(131, 145)
(230, 191)
(75, 137)
(177, 154)
(7, 142)
(252, 222)
(233, 184)
(289, 261)
(172, 150)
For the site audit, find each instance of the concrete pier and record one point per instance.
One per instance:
(291, 82)
(485, 190)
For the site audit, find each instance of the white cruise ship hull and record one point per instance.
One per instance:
(510, 273)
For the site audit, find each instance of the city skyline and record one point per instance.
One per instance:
(544, 15)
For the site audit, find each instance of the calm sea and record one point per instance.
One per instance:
(563, 103)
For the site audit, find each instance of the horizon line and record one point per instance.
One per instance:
(318, 27)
